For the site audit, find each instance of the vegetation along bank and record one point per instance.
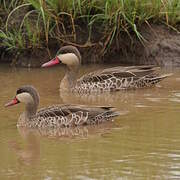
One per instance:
(123, 31)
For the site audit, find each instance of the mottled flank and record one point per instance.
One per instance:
(58, 116)
(68, 116)
(119, 78)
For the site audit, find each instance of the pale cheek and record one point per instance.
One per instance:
(25, 98)
(69, 59)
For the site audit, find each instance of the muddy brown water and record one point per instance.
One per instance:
(142, 143)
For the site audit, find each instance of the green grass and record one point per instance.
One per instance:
(59, 19)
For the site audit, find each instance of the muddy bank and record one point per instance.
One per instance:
(161, 47)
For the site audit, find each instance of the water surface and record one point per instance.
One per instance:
(142, 143)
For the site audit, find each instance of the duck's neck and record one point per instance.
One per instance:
(30, 110)
(26, 117)
(70, 79)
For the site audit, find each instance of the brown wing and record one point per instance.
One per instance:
(118, 72)
(51, 111)
(73, 115)
(65, 110)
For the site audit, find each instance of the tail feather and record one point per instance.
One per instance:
(112, 113)
(162, 76)
(115, 113)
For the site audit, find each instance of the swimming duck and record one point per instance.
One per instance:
(110, 79)
(57, 116)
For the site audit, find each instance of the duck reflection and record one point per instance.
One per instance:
(29, 154)
(124, 100)
(33, 136)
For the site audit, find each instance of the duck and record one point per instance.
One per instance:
(57, 116)
(109, 79)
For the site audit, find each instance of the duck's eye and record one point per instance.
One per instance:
(19, 91)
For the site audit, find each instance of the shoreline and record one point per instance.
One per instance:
(128, 32)
(161, 47)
